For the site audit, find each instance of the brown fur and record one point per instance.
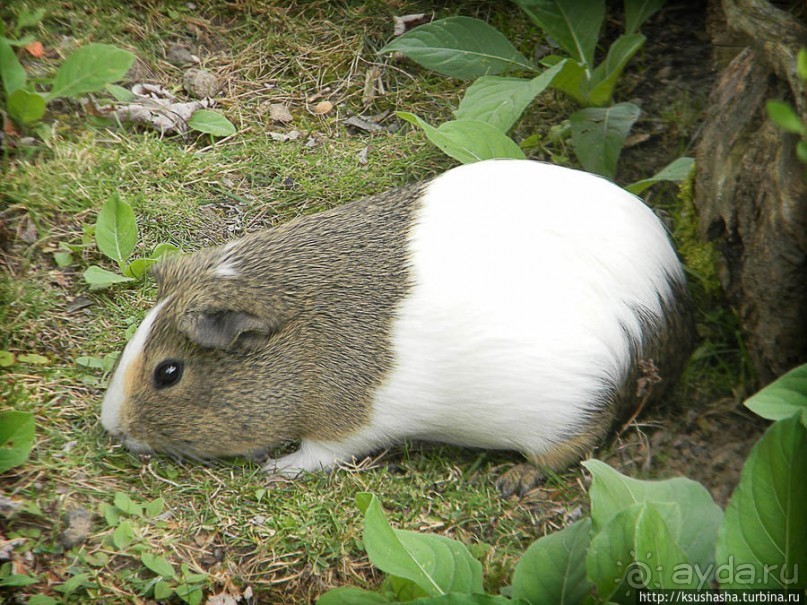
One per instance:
(270, 352)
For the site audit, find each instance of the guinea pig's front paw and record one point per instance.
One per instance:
(519, 480)
(311, 457)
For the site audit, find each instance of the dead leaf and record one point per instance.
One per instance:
(362, 124)
(278, 112)
(323, 107)
(59, 278)
(78, 303)
(156, 108)
(362, 156)
(222, 599)
(27, 231)
(407, 22)
(35, 49)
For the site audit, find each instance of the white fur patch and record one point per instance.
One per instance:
(526, 276)
(226, 269)
(117, 391)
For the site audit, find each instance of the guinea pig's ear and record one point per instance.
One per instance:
(225, 328)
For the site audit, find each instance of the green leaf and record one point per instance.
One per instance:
(7, 359)
(99, 278)
(12, 73)
(467, 599)
(190, 594)
(211, 122)
(162, 590)
(801, 151)
(351, 596)
(460, 47)
(553, 570)
(29, 18)
(639, 11)
(466, 140)
(435, 563)
(127, 505)
(78, 581)
(40, 599)
(785, 117)
(112, 515)
(63, 258)
(762, 540)
(599, 133)
(635, 550)
(603, 80)
(155, 507)
(782, 398)
(123, 535)
(89, 69)
(164, 249)
(801, 63)
(572, 78)
(138, 267)
(18, 580)
(90, 362)
(25, 107)
(500, 101)
(16, 438)
(33, 358)
(158, 565)
(573, 24)
(119, 93)
(116, 229)
(612, 492)
(676, 171)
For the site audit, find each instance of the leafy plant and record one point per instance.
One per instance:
(642, 535)
(127, 516)
(16, 438)
(116, 237)
(468, 48)
(786, 118)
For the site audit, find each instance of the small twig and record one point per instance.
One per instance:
(644, 388)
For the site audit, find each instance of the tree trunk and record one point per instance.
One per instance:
(750, 189)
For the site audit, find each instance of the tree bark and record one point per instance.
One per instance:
(750, 189)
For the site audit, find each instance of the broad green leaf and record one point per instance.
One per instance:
(90, 362)
(782, 398)
(164, 249)
(99, 278)
(123, 535)
(636, 549)
(7, 359)
(763, 539)
(467, 599)
(466, 140)
(158, 565)
(12, 73)
(605, 76)
(801, 63)
(351, 596)
(18, 580)
(155, 507)
(189, 593)
(162, 590)
(553, 569)
(599, 133)
(437, 564)
(676, 171)
(40, 599)
(78, 581)
(116, 229)
(573, 24)
(500, 101)
(639, 11)
(119, 93)
(138, 267)
(572, 79)
(33, 358)
(460, 47)
(612, 492)
(63, 258)
(16, 438)
(25, 107)
(127, 505)
(90, 68)
(211, 122)
(785, 117)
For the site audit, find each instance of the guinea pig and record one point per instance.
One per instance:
(506, 304)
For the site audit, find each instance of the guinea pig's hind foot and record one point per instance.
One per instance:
(519, 480)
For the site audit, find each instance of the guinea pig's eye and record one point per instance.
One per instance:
(168, 373)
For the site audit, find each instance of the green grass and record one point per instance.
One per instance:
(287, 541)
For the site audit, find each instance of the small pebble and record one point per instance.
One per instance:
(199, 83)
